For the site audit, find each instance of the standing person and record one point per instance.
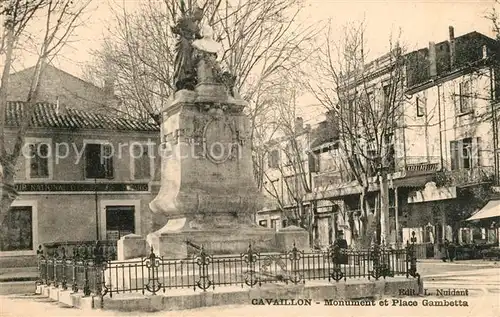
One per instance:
(451, 251)
(342, 244)
(340, 241)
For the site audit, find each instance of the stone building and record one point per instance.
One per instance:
(84, 173)
(286, 170)
(82, 176)
(443, 146)
(453, 108)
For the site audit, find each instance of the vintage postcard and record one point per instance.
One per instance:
(249, 158)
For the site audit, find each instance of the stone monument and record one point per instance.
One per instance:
(207, 192)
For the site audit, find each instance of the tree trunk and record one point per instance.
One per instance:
(4, 86)
(7, 193)
(384, 208)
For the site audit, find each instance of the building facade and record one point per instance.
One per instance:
(84, 174)
(287, 177)
(443, 150)
(81, 177)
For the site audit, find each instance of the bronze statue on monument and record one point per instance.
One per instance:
(188, 30)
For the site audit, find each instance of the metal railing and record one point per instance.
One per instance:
(94, 274)
(80, 247)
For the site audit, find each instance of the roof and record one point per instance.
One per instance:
(49, 66)
(46, 115)
(491, 210)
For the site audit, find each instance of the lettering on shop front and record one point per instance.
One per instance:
(81, 187)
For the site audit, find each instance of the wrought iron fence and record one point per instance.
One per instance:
(82, 247)
(94, 274)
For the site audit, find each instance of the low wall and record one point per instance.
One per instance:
(183, 299)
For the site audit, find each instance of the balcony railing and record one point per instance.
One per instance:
(415, 165)
(332, 178)
(411, 166)
(464, 177)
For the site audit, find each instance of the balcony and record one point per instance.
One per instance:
(419, 165)
(411, 166)
(330, 179)
(465, 177)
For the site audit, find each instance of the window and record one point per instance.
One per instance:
(371, 156)
(390, 160)
(39, 158)
(387, 95)
(141, 161)
(313, 163)
(464, 153)
(420, 107)
(465, 94)
(18, 226)
(263, 223)
(497, 82)
(273, 158)
(120, 221)
(467, 153)
(274, 223)
(99, 160)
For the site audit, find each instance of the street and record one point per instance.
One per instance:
(482, 279)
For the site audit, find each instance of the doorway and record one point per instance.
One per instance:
(120, 221)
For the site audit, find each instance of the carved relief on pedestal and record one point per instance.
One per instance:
(216, 138)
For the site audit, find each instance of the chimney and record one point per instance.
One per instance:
(299, 125)
(485, 51)
(109, 87)
(60, 107)
(452, 46)
(432, 60)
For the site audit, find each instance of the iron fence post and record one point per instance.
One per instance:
(63, 268)
(74, 285)
(413, 256)
(203, 260)
(152, 263)
(86, 286)
(42, 264)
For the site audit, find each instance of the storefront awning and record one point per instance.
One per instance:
(492, 209)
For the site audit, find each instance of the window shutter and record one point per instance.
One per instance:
(108, 161)
(91, 165)
(313, 163)
(476, 152)
(454, 150)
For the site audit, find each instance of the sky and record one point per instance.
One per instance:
(420, 21)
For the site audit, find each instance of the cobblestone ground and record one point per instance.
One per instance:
(486, 305)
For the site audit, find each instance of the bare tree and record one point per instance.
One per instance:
(58, 20)
(366, 100)
(262, 43)
(287, 178)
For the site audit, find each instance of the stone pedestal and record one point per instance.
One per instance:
(131, 246)
(181, 244)
(208, 191)
(287, 237)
